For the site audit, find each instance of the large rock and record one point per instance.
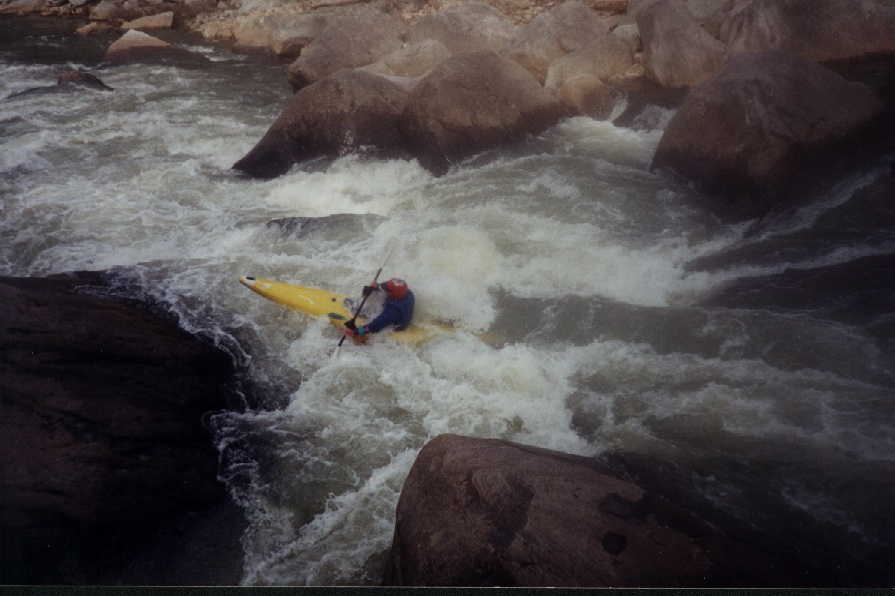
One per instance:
(581, 78)
(346, 42)
(347, 111)
(484, 512)
(407, 66)
(101, 422)
(135, 46)
(555, 33)
(677, 51)
(162, 20)
(753, 126)
(819, 30)
(283, 34)
(465, 27)
(472, 102)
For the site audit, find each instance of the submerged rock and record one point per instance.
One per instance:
(103, 441)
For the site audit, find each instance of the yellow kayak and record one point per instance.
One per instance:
(338, 308)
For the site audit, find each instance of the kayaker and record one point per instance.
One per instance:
(398, 310)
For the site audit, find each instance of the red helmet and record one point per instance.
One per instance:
(396, 288)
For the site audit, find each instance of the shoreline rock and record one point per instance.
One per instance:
(102, 405)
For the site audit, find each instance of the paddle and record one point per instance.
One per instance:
(364, 298)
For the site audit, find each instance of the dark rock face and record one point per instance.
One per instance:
(484, 512)
(103, 441)
(471, 102)
(761, 120)
(349, 110)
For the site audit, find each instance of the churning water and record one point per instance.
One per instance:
(563, 265)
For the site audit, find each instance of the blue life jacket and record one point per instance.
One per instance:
(397, 312)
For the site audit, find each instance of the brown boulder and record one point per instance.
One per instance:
(581, 77)
(163, 20)
(101, 422)
(350, 110)
(346, 42)
(819, 30)
(677, 51)
(469, 26)
(471, 102)
(485, 512)
(555, 33)
(754, 125)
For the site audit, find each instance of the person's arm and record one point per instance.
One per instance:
(389, 316)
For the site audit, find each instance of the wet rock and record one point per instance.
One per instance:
(751, 128)
(350, 110)
(346, 42)
(465, 27)
(485, 512)
(553, 34)
(471, 102)
(818, 30)
(102, 404)
(66, 81)
(677, 51)
(81, 78)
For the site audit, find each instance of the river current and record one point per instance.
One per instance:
(564, 265)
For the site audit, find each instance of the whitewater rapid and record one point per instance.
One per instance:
(562, 263)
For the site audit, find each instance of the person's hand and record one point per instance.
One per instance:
(351, 326)
(369, 289)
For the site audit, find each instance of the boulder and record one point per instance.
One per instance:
(465, 27)
(283, 34)
(819, 30)
(163, 20)
(485, 512)
(753, 126)
(413, 60)
(677, 51)
(350, 110)
(581, 78)
(103, 441)
(555, 33)
(471, 102)
(605, 58)
(346, 42)
(138, 46)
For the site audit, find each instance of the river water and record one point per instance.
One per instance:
(564, 264)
